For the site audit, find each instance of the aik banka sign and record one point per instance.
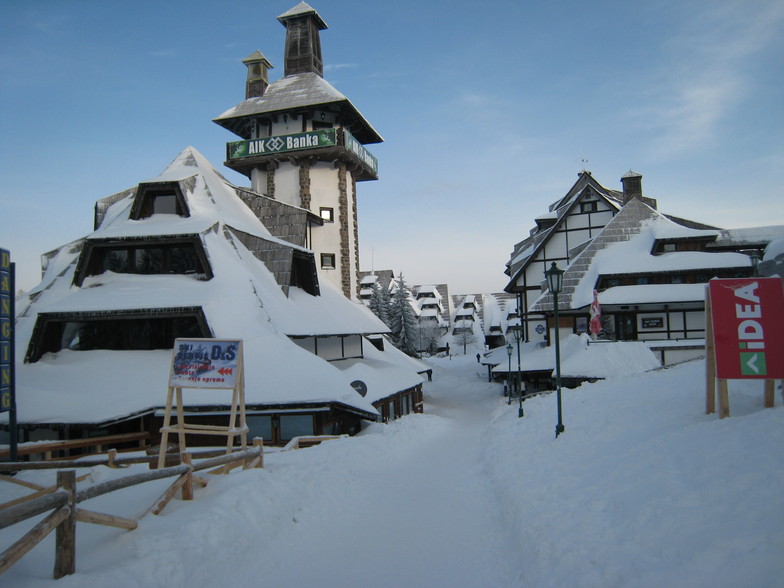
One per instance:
(748, 327)
(6, 330)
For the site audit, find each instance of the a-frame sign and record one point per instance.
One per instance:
(205, 363)
(744, 336)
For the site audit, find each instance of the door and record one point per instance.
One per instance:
(626, 327)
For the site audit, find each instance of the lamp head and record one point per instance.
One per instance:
(554, 278)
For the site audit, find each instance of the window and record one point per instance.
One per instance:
(588, 206)
(327, 261)
(121, 330)
(160, 256)
(327, 214)
(295, 425)
(158, 198)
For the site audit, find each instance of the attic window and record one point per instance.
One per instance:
(144, 256)
(116, 330)
(158, 198)
(588, 206)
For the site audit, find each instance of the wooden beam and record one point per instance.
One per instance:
(32, 538)
(770, 389)
(107, 520)
(15, 514)
(65, 548)
(724, 399)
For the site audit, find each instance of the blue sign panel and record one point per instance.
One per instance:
(6, 330)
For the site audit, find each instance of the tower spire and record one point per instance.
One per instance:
(303, 43)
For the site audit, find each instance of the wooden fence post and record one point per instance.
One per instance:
(65, 549)
(187, 487)
(770, 396)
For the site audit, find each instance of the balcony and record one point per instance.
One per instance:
(321, 144)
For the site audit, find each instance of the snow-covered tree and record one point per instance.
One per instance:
(404, 325)
(380, 302)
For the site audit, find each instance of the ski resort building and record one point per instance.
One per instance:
(649, 270)
(187, 254)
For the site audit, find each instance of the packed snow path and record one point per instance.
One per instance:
(424, 517)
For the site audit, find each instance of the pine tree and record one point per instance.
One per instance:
(379, 302)
(403, 320)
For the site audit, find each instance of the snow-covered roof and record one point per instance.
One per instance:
(296, 92)
(243, 301)
(624, 246)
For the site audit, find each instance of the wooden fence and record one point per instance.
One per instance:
(50, 449)
(63, 498)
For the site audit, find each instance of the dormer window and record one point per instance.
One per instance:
(158, 198)
(163, 255)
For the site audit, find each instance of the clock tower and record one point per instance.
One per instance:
(303, 143)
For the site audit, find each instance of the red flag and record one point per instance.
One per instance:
(596, 315)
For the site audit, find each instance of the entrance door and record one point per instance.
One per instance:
(626, 327)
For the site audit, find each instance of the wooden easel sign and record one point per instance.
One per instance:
(744, 336)
(205, 363)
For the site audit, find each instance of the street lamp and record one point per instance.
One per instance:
(755, 260)
(555, 283)
(509, 375)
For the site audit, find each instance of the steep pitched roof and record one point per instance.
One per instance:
(624, 246)
(293, 93)
(525, 251)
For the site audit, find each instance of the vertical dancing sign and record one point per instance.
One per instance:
(745, 337)
(6, 330)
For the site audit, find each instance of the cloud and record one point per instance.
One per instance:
(706, 73)
(338, 66)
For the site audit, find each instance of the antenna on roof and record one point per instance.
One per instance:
(583, 161)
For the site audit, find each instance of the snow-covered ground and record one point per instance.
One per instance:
(642, 489)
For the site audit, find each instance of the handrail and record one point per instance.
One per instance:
(34, 448)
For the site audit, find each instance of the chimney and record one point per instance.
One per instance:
(257, 81)
(632, 186)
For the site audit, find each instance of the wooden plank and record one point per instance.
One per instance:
(770, 389)
(724, 399)
(127, 481)
(20, 512)
(107, 520)
(187, 486)
(710, 358)
(65, 547)
(28, 497)
(166, 497)
(32, 538)
(165, 429)
(24, 483)
(34, 448)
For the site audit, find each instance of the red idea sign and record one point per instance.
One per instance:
(748, 327)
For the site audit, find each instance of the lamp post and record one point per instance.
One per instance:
(755, 260)
(555, 283)
(509, 375)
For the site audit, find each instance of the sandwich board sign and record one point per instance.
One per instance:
(744, 334)
(205, 363)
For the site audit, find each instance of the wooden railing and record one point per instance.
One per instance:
(50, 448)
(63, 498)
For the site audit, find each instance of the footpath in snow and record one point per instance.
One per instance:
(643, 489)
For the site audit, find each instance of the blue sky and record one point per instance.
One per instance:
(487, 110)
